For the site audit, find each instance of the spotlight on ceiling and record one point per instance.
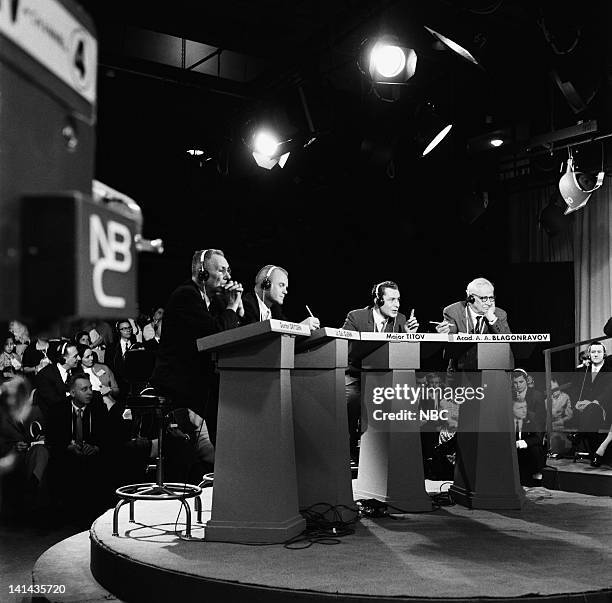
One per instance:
(268, 150)
(455, 46)
(496, 142)
(387, 61)
(431, 129)
(195, 152)
(576, 187)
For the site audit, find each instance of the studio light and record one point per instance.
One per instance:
(386, 61)
(496, 142)
(455, 46)
(576, 187)
(431, 129)
(268, 150)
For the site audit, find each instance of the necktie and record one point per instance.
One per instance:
(78, 435)
(478, 323)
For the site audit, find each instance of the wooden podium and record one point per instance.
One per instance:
(320, 419)
(486, 468)
(390, 457)
(255, 488)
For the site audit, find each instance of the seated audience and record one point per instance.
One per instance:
(78, 437)
(101, 377)
(83, 338)
(23, 455)
(536, 405)
(529, 447)
(21, 335)
(51, 381)
(36, 356)
(561, 415)
(10, 363)
(595, 398)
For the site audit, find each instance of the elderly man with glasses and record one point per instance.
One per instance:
(477, 313)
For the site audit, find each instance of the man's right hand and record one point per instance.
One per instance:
(443, 327)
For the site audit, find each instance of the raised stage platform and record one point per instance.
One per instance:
(558, 547)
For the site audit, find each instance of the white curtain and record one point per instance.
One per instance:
(592, 267)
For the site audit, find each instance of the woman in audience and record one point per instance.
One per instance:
(21, 336)
(101, 377)
(10, 364)
(82, 338)
(35, 356)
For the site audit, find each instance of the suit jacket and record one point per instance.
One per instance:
(181, 370)
(532, 458)
(456, 315)
(600, 389)
(59, 433)
(465, 357)
(251, 309)
(363, 320)
(50, 389)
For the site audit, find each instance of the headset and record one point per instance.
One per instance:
(470, 299)
(203, 274)
(266, 283)
(379, 295)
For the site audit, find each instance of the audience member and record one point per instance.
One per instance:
(78, 438)
(562, 415)
(115, 354)
(536, 404)
(10, 363)
(51, 381)
(21, 336)
(101, 377)
(36, 356)
(23, 455)
(83, 338)
(268, 296)
(594, 398)
(529, 447)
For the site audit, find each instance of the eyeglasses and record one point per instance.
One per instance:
(125, 329)
(485, 298)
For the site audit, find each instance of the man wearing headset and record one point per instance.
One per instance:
(477, 314)
(181, 372)
(268, 296)
(382, 316)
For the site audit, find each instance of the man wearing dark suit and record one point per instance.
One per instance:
(114, 356)
(79, 438)
(529, 446)
(51, 381)
(382, 316)
(267, 298)
(536, 404)
(182, 373)
(476, 314)
(594, 405)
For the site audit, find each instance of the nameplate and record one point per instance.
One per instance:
(411, 337)
(284, 326)
(332, 332)
(499, 337)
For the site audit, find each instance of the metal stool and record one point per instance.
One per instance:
(157, 490)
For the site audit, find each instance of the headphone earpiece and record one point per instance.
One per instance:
(378, 297)
(266, 283)
(203, 274)
(470, 299)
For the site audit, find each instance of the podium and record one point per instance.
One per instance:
(255, 489)
(320, 418)
(486, 468)
(390, 457)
